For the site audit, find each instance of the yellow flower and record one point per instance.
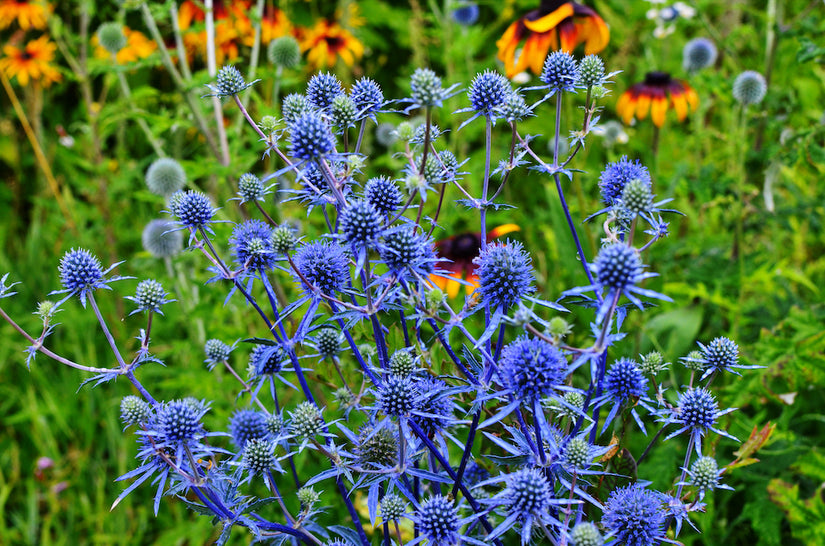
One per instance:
(27, 14)
(33, 62)
(542, 29)
(327, 41)
(138, 47)
(655, 94)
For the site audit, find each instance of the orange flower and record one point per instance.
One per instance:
(327, 41)
(32, 62)
(461, 250)
(230, 24)
(27, 14)
(541, 30)
(655, 94)
(274, 24)
(137, 47)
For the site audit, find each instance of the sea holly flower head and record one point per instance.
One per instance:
(134, 411)
(246, 425)
(252, 243)
(697, 54)
(488, 91)
(532, 368)
(161, 239)
(229, 83)
(560, 72)
(721, 355)
(251, 188)
(438, 522)
(505, 274)
(635, 516)
(617, 174)
(322, 90)
(427, 91)
(368, 98)
(149, 296)
(321, 263)
(705, 475)
(310, 137)
(81, 274)
(749, 87)
(216, 351)
(165, 176)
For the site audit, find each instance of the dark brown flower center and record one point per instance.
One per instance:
(549, 6)
(658, 79)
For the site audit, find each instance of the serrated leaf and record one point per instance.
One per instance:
(756, 440)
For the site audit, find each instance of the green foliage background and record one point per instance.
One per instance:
(746, 261)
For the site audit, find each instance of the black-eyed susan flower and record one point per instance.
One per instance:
(658, 92)
(26, 14)
(31, 62)
(326, 41)
(461, 250)
(554, 25)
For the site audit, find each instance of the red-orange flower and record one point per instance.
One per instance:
(274, 24)
(554, 23)
(655, 94)
(27, 14)
(327, 41)
(461, 250)
(230, 24)
(32, 62)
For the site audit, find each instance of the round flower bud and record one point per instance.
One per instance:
(749, 87)
(216, 351)
(165, 176)
(392, 507)
(426, 88)
(403, 248)
(193, 209)
(505, 274)
(327, 341)
(266, 359)
(420, 135)
(586, 534)
(397, 396)
(574, 401)
(229, 82)
(402, 363)
(616, 175)
(322, 90)
(637, 197)
(591, 71)
(653, 363)
(246, 425)
(558, 327)
(360, 223)
(283, 239)
(475, 474)
(250, 188)
(284, 52)
(532, 367)
(269, 124)
(275, 424)
(377, 448)
(149, 295)
(111, 37)
(617, 266)
(487, 91)
(577, 454)
(697, 54)
(438, 521)
(134, 410)
(307, 496)
(306, 421)
(294, 106)
(80, 270)
(624, 381)
(560, 72)
(344, 397)
(514, 108)
(704, 474)
(45, 310)
(259, 456)
(528, 493)
(695, 361)
(343, 112)
(405, 131)
(160, 240)
(310, 137)
(465, 15)
(383, 194)
(367, 96)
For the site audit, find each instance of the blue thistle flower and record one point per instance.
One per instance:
(434, 408)
(402, 249)
(532, 368)
(560, 72)
(615, 175)
(705, 475)
(246, 425)
(438, 522)
(251, 188)
(618, 266)
(528, 494)
(229, 82)
(266, 359)
(697, 413)
(310, 137)
(134, 411)
(475, 474)
(722, 355)
(488, 91)
(361, 224)
(749, 87)
(426, 90)
(465, 15)
(294, 106)
(383, 194)
(259, 456)
(368, 98)
(216, 351)
(697, 54)
(193, 209)
(504, 274)
(252, 243)
(322, 89)
(324, 265)
(398, 395)
(81, 273)
(624, 382)
(635, 516)
(165, 176)
(343, 113)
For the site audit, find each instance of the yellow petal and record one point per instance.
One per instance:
(658, 110)
(642, 106)
(551, 20)
(679, 102)
(503, 230)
